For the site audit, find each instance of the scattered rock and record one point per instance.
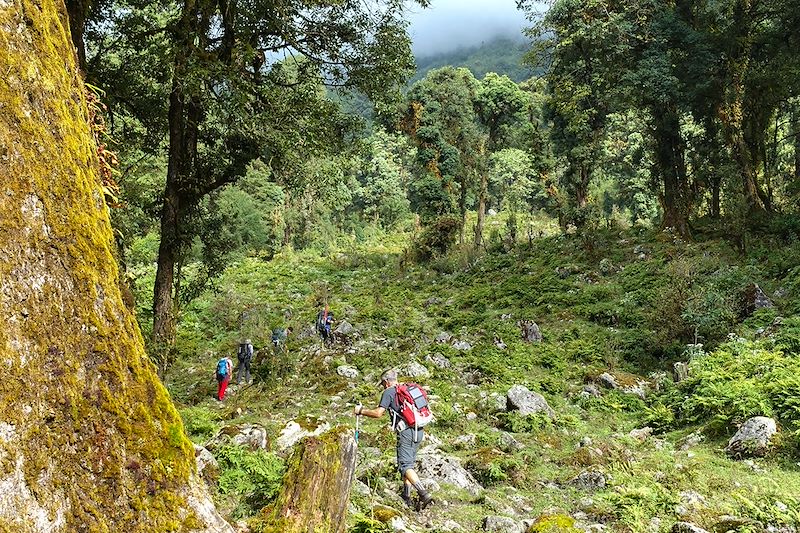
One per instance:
(491, 212)
(345, 328)
(755, 299)
(293, 433)
(686, 527)
(439, 361)
(452, 526)
(530, 331)
(589, 480)
(348, 372)
(499, 343)
(680, 371)
(207, 465)
(641, 434)
(690, 441)
(251, 436)
(442, 338)
(471, 416)
(606, 266)
(506, 316)
(433, 300)
(734, 523)
(464, 346)
(502, 524)
(690, 502)
(585, 442)
(413, 370)
(624, 382)
(494, 402)
(465, 441)
(753, 438)
(590, 391)
(508, 443)
(527, 402)
(447, 469)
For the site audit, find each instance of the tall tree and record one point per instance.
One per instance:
(90, 439)
(441, 119)
(220, 116)
(501, 107)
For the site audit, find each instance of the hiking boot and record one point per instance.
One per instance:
(409, 501)
(425, 499)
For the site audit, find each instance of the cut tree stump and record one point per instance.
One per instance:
(316, 489)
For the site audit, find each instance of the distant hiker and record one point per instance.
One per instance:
(395, 399)
(325, 324)
(223, 375)
(279, 337)
(245, 356)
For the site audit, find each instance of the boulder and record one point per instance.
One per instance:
(753, 438)
(606, 266)
(686, 527)
(519, 398)
(346, 371)
(452, 526)
(498, 342)
(491, 212)
(530, 331)
(589, 480)
(502, 524)
(438, 360)
(447, 469)
(442, 338)
(641, 434)
(345, 328)
(755, 299)
(251, 436)
(207, 465)
(413, 370)
(590, 391)
(494, 402)
(294, 433)
(463, 346)
(624, 382)
(508, 443)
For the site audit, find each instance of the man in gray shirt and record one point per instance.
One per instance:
(408, 439)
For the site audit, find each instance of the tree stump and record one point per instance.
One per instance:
(316, 489)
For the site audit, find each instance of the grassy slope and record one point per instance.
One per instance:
(609, 309)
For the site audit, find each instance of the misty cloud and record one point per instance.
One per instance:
(452, 24)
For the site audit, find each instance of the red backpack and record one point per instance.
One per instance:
(412, 402)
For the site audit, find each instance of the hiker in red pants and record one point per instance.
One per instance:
(223, 374)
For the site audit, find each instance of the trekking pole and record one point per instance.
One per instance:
(358, 419)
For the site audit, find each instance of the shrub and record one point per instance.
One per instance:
(200, 422)
(253, 477)
(437, 238)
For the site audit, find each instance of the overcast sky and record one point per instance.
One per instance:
(450, 24)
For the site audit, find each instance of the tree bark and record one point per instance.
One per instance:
(316, 489)
(78, 10)
(184, 117)
(481, 210)
(796, 132)
(671, 164)
(90, 438)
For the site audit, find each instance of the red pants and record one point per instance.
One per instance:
(222, 386)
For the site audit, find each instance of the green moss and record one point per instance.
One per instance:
(95, 427)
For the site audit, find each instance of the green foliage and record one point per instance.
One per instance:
(737, 381)
(364, 524)
(199, 422)
(437, 238)
(254, 478)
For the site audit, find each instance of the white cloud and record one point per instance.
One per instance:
(450, 24)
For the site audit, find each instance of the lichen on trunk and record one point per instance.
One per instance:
(89, 439)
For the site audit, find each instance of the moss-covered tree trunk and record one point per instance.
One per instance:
(316, 491)
(89, 440)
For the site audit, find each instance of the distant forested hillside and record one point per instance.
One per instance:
(502, 55)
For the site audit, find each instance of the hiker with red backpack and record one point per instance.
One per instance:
(408, 408)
